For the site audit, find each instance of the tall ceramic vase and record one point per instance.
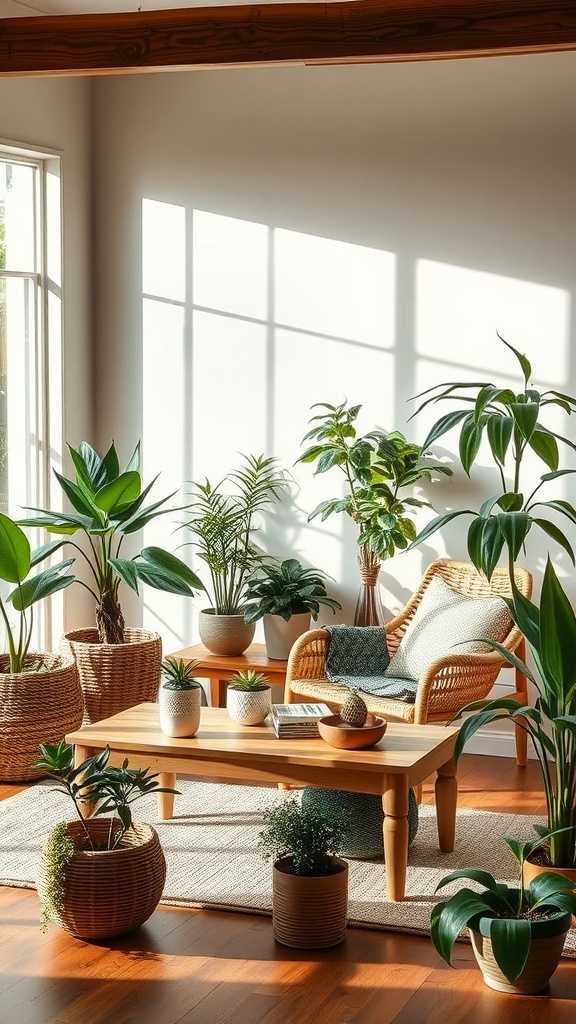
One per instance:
(369, 610)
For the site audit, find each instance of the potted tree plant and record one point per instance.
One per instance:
(377, 467)
(223, 525)
(249, 697)
(517, 934)
(285, 596)
(39, 693)
(101, 876)
(180, 698)
(119, 666)
(310, 883)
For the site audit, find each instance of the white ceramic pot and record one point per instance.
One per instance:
(225, 634)
(281, 635)
(248, 707)
(180, 711)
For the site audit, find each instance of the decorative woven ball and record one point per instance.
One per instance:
(365, 840)
(354, 710)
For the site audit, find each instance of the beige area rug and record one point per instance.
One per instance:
(213, 861)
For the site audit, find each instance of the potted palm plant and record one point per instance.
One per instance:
(101, 876)
(286, 596)
(310, 883)
(249, 697)
(180, 698)
(517, 934)
(119, 666)
(223, 525)
(377, 468)
(39, 693)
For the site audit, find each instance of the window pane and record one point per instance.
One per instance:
(17, 212)
(19, 441)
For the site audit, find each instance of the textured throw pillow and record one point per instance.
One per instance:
(443, 619)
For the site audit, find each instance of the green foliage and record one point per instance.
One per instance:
(250, 681)
(511, 423)
(56, 855)
(223, 525)
(509, 912)
(178, 674)
(304, 835)
(286, 590)
(109, 505)
(16, 562)
(376, 466)
(550, 631)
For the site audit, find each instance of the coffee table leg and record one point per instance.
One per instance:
(166, 800)
(395, 806)
(446, 800)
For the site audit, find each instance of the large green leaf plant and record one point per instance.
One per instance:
(511, 422)
(109, 506)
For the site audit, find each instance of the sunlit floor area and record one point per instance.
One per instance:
(194, 967)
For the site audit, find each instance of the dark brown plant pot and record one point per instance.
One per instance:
(309, 911)
(109, 892)
(547, 943)
(114, 677)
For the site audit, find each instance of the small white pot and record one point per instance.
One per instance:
(248, 707)
(180, 711)
(281, 635)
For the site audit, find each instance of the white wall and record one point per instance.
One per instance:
(56, 114)
(315, 234)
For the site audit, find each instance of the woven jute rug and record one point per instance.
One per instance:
(213, 860)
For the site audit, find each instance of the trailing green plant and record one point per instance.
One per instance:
(16, 562)
(56, 856)
(249, 681)
(511, 422)
(223, 525)
(377, 467)
(109, 507)
(287, 589)
(550, 632)
(178, 674)
(510, 911)
(308, 838)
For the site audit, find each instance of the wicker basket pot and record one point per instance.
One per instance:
(114, 677)
(548, 935)
(180, 710)
(225, 634)
(248, 707)
(36, 707)
(109, 892)
(281, 635)
(309, 911)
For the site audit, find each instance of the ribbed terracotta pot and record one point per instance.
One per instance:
(548, 937)
(225, 634)
(248, 707)
(180, 710)
(114, 677)
(281, 635)
(309, 911)
(108, 893)
(531, 871)
(36, 707)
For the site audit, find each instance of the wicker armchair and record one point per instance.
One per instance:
(449, 683)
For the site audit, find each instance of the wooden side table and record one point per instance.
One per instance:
(219, 668)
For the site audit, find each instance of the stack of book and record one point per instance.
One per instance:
(297, 721)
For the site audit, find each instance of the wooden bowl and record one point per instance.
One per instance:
(351, 737)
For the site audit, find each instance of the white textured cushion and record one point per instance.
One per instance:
(443, 619)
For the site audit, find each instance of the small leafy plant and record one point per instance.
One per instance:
(249, 681)
(510, 911)
(304, 836)
(109, 507)
(16, 562)
(178, 674)
(377, 467)
(286, 590)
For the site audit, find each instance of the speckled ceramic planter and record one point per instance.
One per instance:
(225, 634)
(248, 707)
(180, 711)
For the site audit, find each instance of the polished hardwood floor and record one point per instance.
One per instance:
(193, 967)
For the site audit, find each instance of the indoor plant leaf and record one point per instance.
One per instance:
(15, 557)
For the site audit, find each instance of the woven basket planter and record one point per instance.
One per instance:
(36, 707)
(114, 677)
(109, 892)
(309, 911)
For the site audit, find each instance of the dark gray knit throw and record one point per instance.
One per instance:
(358, 657)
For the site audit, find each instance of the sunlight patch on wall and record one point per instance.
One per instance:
(230, 265)
(164, 250)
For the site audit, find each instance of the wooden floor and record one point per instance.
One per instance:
(195, 967)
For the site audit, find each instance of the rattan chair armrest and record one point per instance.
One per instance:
(455, 680)
(307, 658)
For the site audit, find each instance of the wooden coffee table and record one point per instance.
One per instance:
(225, 751)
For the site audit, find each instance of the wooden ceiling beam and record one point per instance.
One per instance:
(341, 31)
